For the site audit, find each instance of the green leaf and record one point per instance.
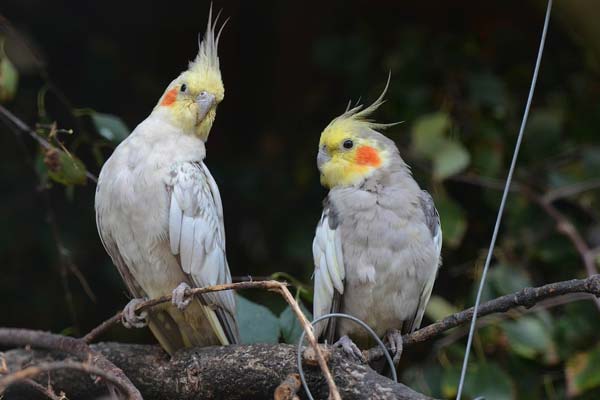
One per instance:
(428, 134)
(65, 168)
(110, 127)
(583, 372)
(486, 380)
(451, 159)
(289, 325)
(257, 323)
(528, 336)
(454, 222)
(9, 76)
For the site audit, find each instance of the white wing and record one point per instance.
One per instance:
(197, 235)
(432, 220)
(329, 272)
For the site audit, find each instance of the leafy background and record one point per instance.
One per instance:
(460, 75)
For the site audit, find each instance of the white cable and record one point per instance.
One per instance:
(503, 202)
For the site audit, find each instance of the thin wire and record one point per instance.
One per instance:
(503, 202)
(358, 321)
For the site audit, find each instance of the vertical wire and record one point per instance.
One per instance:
(503, 202)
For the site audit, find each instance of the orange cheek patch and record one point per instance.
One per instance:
(169, 98)
(366, 155)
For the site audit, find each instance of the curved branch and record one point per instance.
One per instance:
(35, 370)
(276, 286)
(65, 344)
(267, 285)
(527, 297)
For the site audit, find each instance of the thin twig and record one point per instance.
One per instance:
(65, 262)
(34, 370)
(567, 228)
(41, 389)
(570, 190)
(563, 224)
(77, 347)
(23, 127)
(495, 319)
(97, 331)
(310, 336)
(280, 287)
(527, 297)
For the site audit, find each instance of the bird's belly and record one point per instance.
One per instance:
(384, 294)
(137, 220)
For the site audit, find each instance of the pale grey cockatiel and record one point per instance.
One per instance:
(377, 246)
(159, 211)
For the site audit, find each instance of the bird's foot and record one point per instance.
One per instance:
(394, 339)
(130, 319)
(179, 299)
(350, 348)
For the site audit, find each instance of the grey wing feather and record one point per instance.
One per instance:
(330, 273)
(113, 251)
(432, 220)
(197, 235)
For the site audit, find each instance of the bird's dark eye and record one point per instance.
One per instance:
(348, 144)
(183, 87)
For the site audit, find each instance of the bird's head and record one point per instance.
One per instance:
(190, 101)
(351, 149)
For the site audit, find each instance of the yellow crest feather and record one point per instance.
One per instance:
(357, 116)
(205, 71)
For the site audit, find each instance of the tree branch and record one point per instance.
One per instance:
(77, 347)
(526, 297)
(23, 127)
(279, 287)
(224, 372)
(255, 371)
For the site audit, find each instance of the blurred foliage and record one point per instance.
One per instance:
(460, 75)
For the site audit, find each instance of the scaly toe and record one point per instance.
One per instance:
(130, 319)
(350, 348)
(179, 299)
(394, 338)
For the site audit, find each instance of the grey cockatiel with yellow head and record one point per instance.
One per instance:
(159, 211)
(377, 246)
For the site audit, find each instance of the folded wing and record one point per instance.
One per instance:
(197, 236)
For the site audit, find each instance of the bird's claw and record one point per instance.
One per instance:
(394, 339)
(179, 298)
(130, 319)
(350, 348)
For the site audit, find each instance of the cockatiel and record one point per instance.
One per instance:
(377, 246)
(159, 211)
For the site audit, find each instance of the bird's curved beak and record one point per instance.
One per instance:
(322, 157)
(205, 101)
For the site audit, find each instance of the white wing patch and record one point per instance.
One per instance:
(197, 234)
(330, 272)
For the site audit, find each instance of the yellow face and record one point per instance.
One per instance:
(345, 158)
(192, 101)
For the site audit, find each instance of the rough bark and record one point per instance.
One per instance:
(232, 372)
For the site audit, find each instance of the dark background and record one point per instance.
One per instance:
(288, 69)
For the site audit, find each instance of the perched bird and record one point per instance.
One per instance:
(377, 245)
(159, 211)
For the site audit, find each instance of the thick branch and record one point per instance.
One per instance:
(230, 372)
(77, 347)
(280, 287)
